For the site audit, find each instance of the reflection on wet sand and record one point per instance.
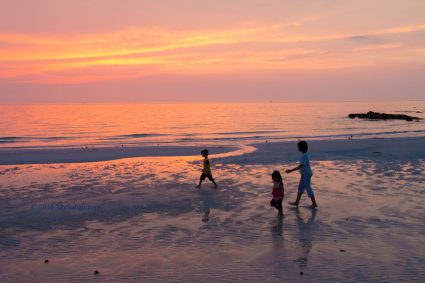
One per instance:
(277, 230)
(149, 223)
(306, 231)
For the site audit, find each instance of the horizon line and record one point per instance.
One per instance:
(208, 101)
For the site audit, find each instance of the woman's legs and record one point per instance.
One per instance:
(309, 189)
(301, 189)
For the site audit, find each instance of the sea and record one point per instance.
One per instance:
(92, 124)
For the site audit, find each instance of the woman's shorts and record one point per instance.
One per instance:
(305, 185)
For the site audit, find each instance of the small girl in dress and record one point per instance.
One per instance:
(278, 192)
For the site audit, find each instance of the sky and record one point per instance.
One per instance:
(211, 50)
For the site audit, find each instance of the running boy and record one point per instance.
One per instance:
(206, 171)
(306, 173)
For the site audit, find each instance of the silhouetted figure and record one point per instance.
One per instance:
(206, 171)
(306, 174)
(278, 192)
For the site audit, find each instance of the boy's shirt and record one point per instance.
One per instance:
(207, 166)
(305, 162)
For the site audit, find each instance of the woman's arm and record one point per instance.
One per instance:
(294, 169)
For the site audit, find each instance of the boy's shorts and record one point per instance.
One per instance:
(305, 185)
(209, 176)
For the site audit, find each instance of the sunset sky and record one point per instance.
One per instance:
(211, 50)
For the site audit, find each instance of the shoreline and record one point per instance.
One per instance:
(325, 149)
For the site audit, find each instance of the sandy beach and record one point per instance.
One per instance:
(140, 219)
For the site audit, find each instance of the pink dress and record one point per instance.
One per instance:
(278, 191)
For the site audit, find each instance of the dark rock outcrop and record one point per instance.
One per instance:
(383, 116)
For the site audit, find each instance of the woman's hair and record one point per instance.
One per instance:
(205, 151)
(276, 175)
(303, 146)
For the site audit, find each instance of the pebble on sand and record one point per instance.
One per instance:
(342, 251)
(301, 273)
(46, 261)
(96, 272)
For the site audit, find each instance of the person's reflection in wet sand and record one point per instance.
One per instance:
(208, 200)
(206, 216)
(278, 251)
(306, 234)
(277, 230)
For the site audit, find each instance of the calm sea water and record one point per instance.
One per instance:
(211, 123)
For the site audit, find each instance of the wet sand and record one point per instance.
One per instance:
(141, 219)
(51, 155)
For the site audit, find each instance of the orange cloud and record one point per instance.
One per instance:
(140, 52)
